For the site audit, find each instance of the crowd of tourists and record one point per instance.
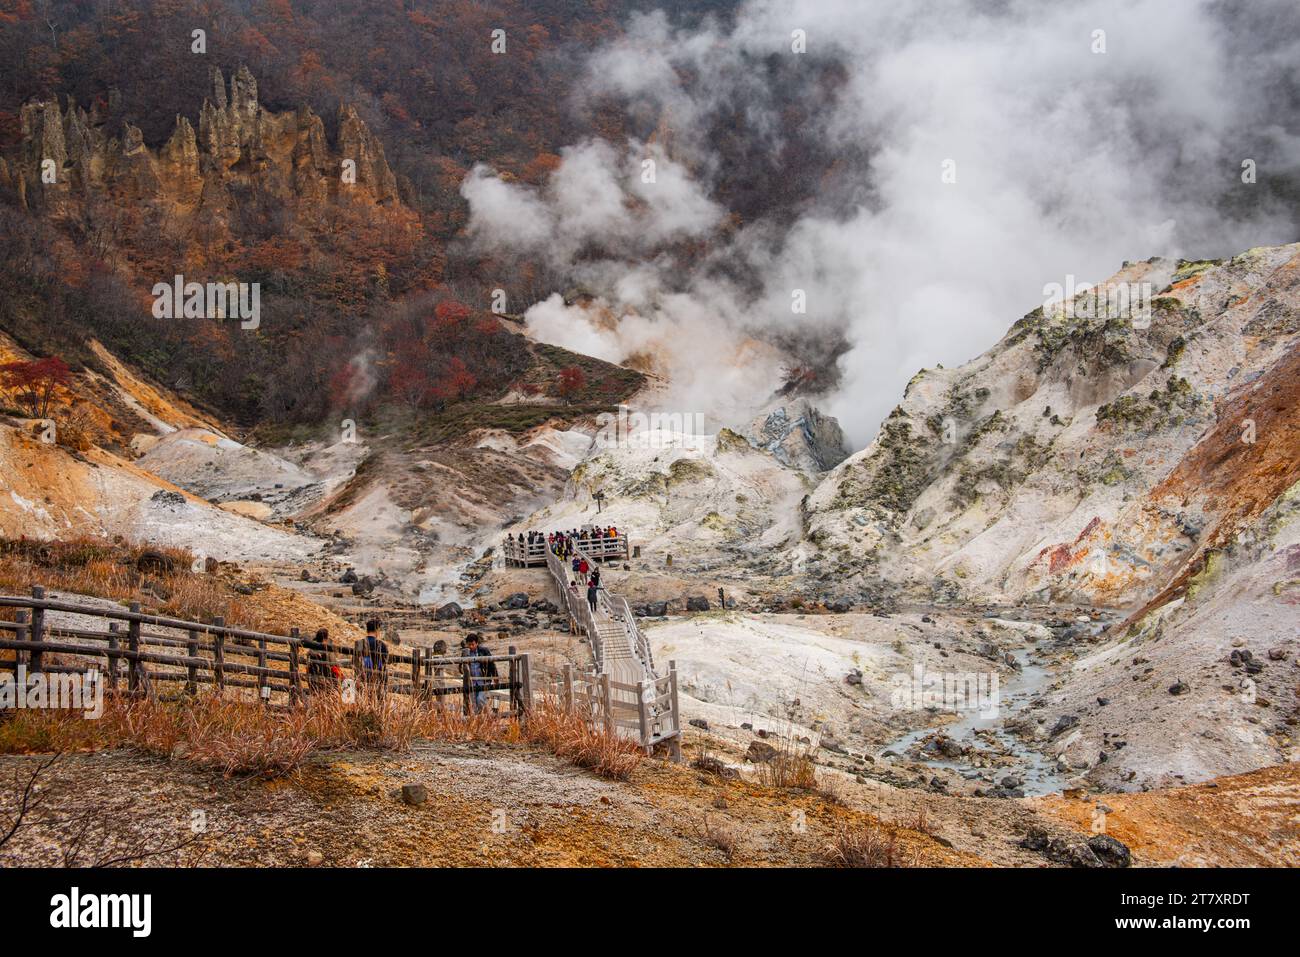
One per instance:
(566, 543)
(370, 664)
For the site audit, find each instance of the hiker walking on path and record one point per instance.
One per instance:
(593, 587)
(371, 653)
(480, 672)
(322, 673)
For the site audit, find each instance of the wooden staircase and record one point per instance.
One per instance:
(621, 656)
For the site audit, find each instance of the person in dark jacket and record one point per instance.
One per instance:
(371, 654)
(480, 673)
(593, 588)
(322, 675)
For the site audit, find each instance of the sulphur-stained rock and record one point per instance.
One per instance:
(131, 163)
(42, 127)
(312, 164)
(799, 435)
(85, 146)
(44, 153)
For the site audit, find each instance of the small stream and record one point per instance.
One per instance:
(1038, 772)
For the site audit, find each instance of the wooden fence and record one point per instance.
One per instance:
(646, 711)
(143, 651)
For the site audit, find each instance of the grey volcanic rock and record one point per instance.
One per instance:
(800, 436)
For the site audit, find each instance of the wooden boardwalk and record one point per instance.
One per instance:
(144, 654)
(137, 653)
(638, 700)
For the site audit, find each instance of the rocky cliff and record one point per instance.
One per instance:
(799, 435)
(1149, 466)
(1083, 459)
(238, 145)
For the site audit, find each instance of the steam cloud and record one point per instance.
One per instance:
(1068, 162)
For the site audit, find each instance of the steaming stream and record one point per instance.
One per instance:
(1038, 771)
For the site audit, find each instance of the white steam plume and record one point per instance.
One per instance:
(1068, 161)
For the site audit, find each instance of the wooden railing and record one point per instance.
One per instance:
(155, 649)
(528, 553)
(143, 652)
(576, 606)
(647, 711)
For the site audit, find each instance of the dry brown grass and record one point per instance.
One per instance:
(572, 738)
(238, 736)
(791, 767)
(718, 836)
(112, 570)
(920, 822)
(868, 845)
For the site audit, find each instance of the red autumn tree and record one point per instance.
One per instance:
(458, 381)
(451, 312)
(450, 322)
(34, 384)
(410, 381)
(342, 386)
(571, 382)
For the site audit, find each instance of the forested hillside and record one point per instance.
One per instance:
(216, 157)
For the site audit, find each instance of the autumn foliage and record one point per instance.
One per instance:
(34, 385)
(433, 351)
(571, 381)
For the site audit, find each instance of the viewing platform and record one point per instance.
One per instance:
(525, 554)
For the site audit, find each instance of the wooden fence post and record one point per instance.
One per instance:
(676, 711)
(526, 682)
(192, 670)
(415, 673)
(219, 653)
(568, 689)
(36, 658)
(133, 645)
(113, 646)
(263, 682)
(464, 689)
(607, 703)
(672, 696)
(295, 680)
(642, 715)
(512, 678)
(20, 634)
